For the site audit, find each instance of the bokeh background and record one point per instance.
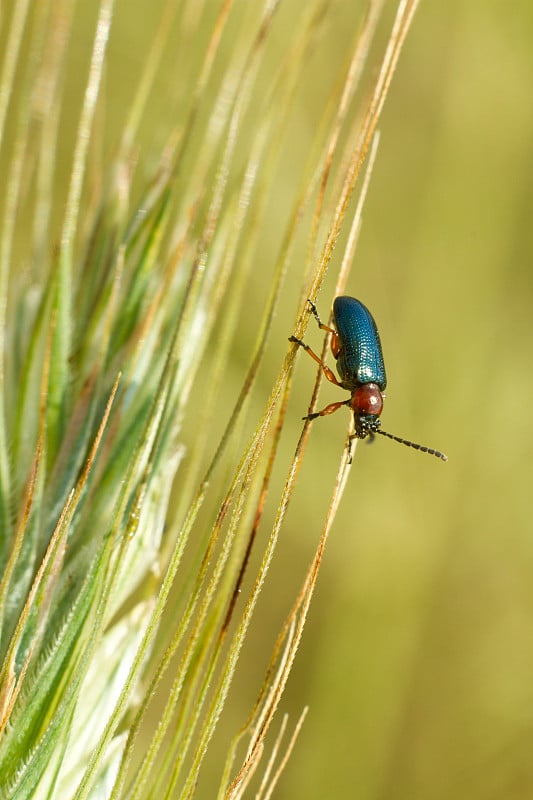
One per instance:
(419, 653)
(417, 662)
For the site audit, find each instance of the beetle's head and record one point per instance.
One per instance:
(367, 401)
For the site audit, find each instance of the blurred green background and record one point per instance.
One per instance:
(417, 661)
(418, 658)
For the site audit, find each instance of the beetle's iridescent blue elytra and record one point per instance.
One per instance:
(359, 357)
(356, 345)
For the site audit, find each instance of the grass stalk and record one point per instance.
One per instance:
(140, 506)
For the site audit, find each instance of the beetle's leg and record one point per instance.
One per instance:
(328, 409)
(321, 325)
(329, 374)
(334, 344)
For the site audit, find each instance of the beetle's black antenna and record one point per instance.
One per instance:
(420, 447)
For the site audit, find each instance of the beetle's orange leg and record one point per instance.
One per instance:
(329, 374)
(314, 311)
(334, 344)
(328, 409)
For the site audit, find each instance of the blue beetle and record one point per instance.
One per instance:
(356, 345)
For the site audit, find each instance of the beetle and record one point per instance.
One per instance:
(356, 346)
